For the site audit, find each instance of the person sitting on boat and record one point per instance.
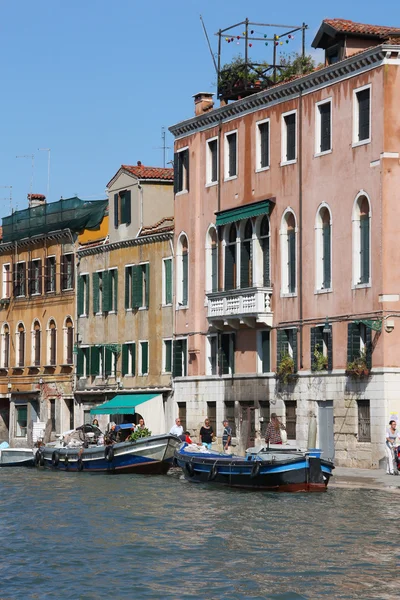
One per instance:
(273, 432)
(95, 423)
(141, 424)
(391, 438)
(187, 437)
(177, 429)
(111, 437)
(206, 434)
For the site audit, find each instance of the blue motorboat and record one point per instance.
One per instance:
(275, 468)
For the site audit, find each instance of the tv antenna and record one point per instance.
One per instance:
(164, 146)
(32, 157)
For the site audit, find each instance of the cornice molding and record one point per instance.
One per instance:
(140, 241)
(350, 67)
(7, 247)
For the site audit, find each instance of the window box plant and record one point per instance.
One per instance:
(320, 361)
(358, 368)
(285, 371)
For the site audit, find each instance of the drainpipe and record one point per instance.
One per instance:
(301, 227)
(219, 279)
(140, 189)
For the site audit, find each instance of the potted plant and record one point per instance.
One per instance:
(358, 368)
(285, 371)
(320, 362)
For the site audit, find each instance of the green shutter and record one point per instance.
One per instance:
(353, 341)
(326, 236)
(81, 308)
(368, 346)
(292, 261)
(80, 362)
(147, 284)
(133, 359)
(230, 265)
(186, 164)
(176, 173)
(116, 211)
(330, 350)
(364, 249)
(128, 275)
(168, 281)
(95, 360)
(245, 265)
(317, 342)
(363, 98)
(137, 290)
(325, 120)
(293, 343)
(96, 307)
(177, 348)
(266, 270)
(107, 361)
(145, 357)
(106, 292)
(115, 276)
(280, 337)
(87, 288)
(128, 209)
(168, 356)
(265, 351)
(290, 136)
(312, 346)
(185, 269)
(125, 358)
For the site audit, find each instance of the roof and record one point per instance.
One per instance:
(143, 172)
(334, 27)
(166, 224)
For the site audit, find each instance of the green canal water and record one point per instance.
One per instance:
(82, 536)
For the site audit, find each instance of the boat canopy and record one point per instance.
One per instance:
(122, 404)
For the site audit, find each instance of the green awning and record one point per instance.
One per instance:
(122, 404)
(244, 212)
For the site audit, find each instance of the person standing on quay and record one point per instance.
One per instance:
(226, 437)
(391, 437)
(206, 434)
(273, 433)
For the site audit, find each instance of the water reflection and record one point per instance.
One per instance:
(69, 535)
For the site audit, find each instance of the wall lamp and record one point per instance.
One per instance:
(9, 386)
(327, 327)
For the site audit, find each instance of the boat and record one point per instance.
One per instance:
(275, 468)
(147, 455)
(16, 457)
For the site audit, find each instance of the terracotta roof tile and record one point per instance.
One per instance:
(165, 224)
(143, 172)
(351, 27)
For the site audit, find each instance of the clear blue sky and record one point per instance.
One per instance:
(95, 80)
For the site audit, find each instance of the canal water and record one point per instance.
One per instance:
(82, 536)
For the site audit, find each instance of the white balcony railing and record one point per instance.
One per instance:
(241, 303)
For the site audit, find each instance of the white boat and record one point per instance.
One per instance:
(17, 457)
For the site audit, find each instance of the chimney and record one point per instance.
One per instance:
(139, 163)
(36, 200)
(203, 102)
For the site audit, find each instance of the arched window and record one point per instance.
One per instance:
(52, 343)
(230, 258)
(288, 248)
(5, 346)
(246, 256)
(182, 271)
(323, 265)
(264, 242)
(211, 260)
(36, 343)
(20, 345)
(361, 240)
(68, 341)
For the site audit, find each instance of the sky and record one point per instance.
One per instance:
(95, 81)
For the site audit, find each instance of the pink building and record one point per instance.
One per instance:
(286, 246)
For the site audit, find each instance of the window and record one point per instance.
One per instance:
(212, 355)
(122, 208)
(167, 281)
(288, 246)
(264, 243)
(83, 361)
(109, 359)
(20, 279)
(167, 356)
(50, 274)
(264, 352)
(364, 420)
(323, 266)
(36, 344)
(182, 271)
(246, 256)
(321, 348)
(6, 293)
(137, 286)
(129, 359)
(83, 295)
(35, 277)
(67, 272)
(68, 341)
(230, 258)
(227, 353)
(323, 127)
(21, 420)
(109, 294)
(361, 241)
(143, 358)
(53, 414)
(230, 415)
(5, 347)
(362, 115)
(180, 357)
(359, 343)
(20, 345)
(98, 292)
(181, 171)
(51, 343)
(287, 345)
(212, 161)
(289, 142)
(231, 155)
(262, 148)
(211, 260)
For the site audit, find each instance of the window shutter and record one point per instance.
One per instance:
(291, 137)
(40, 284)
(312, 346)
(232, 154)
(177, 350)
(116, 210)
(245, 249)
(168, 281)
(147, 284)
(176, 173)
(95, 360)
(185, 290)
(280, 345)
(108, 356)
(31, 286)
(128, 209)
(293, 343)
(317, 342)
(125, 358)
(145, 358)
(225, 352)
(230, 264)
(184, 357)
(37, 347)
(266, 271)
(86, 288)
(81, 308)
(214, 160)
(214, 268)
(326, 237)
(70, 345)
(127, 286)
(63, 283)
(168, 356)
(185, 159)
(72, 267)
(133, 359)
(53, 342)
(368, 346)
(115, 291)
(364, 249)
(353, 341)
(330, 350)
(137, 290)
(264, 142)
(79, 362)
(363, 114)
(325, 115)
(292, 261)
(96, 307)
(106, 292)
(14, 280)
(265, 351)
(46, 276)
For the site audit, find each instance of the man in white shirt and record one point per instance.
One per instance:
(177, 429)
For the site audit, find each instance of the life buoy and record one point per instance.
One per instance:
(79, 463)
(213, 473)
(189, 469)
(109, 453)
(255, 471)
(55, 458)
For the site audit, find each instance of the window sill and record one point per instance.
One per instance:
(288, 294)
(230, 178)
(98, 314)
(318, 154)
(70, 289)
(36, 294)
(50, 366)
(143, 308)
(182, 307)
(361, 143)
(211, 184)
(166, 305)
(50, 292)
(84, 316)
(262, 169)
(142, 374)
(112, 312)
(360, 286)
(182, 192)
(323, 291)
(285, 163)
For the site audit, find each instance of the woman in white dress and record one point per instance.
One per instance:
(391, 437)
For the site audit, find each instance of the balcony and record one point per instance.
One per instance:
(247, 306)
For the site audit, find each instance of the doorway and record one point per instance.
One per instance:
(325, 429)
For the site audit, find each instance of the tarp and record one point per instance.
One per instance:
(122, 404)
